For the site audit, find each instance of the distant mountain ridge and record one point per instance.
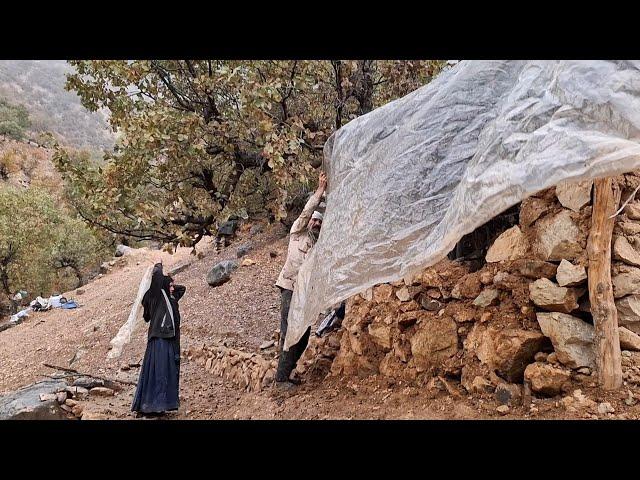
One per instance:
(39, 86)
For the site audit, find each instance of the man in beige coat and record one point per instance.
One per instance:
(303, 236)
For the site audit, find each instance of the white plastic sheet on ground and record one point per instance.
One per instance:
(409, 179)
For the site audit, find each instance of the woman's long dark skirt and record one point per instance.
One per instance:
(157, 389)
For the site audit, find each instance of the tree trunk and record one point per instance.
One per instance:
(605, 317)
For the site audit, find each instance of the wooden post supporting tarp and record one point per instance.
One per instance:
(605, 317)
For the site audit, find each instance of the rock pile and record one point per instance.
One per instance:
(249, 371)
(53, 400)
(522, 318)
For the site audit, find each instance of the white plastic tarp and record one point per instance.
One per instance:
(410, 179)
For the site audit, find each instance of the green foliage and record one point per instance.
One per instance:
(39, 242)
(14, 120)
(199, 140)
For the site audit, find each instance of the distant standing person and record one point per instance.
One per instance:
(158, 385)
(304, 233)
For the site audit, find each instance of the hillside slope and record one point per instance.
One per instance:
(242, 313)
(39, 86)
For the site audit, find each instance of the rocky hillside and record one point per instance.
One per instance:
(39, 86)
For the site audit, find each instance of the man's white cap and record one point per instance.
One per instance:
(317, 216)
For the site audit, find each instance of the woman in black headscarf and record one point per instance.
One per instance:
(157, 390)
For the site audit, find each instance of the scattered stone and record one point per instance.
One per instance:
(61, 397)
(70, 402)
(604, 408)
(101, 392)
(558, 237)
(485, 317)
(535, 268)
(628, 339)
(546, 379)
(503, 409)
(468, 286)
(403, 294)
(124, 367)
(486, 278)
(273, 254)
(221, 272)
(46, 397)
(382, 293)
(80, 291)
(574, 195)
(88, 382)
(584, 371)
(244, 249)
(570, 275)
(77, 410)
(626, 281)
(481, 385)
(508, 394)
(553, 358)
(267, 344)
(489, 296)
(256, 228)
(629, 312)
(572, 339)
(248, 262)
(550, 296)
(77, 392)
(630, 400)
(510, 245)
(429, 303)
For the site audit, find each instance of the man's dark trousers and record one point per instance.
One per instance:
(288, 359)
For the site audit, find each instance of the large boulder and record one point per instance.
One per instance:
(507, 351)
(510, 245)
(570, 275)
(629, 312)
(122, 250)
(435, 341)
(25, 404)
(221, 272)
(558, 237)
(626, 281)
(550, 296)
(574, 195)
(547, 379)
(572, 338)
(622, 250)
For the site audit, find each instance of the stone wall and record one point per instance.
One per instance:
(523, 317)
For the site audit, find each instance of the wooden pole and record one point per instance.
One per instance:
(605, 317)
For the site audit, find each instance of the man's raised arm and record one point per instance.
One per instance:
(301, 223)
